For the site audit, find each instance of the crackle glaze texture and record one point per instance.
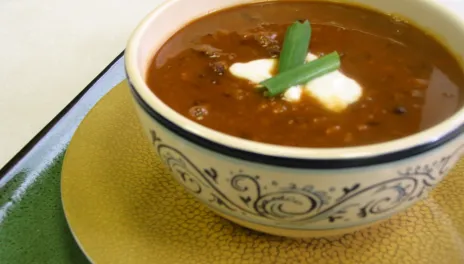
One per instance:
(124, 207)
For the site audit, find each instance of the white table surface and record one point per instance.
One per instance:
(51, 49)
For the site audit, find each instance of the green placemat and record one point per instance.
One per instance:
(33, 228)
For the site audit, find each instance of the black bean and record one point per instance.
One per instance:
(219, 67)
(300, 120)
(245, 135)
(208, 50)
(400, 110)
(250, 17)
(367, 56)
(448, 95)
(274, 51)
(425, 66)
(198, 112)
(373, 123)
(266, 39)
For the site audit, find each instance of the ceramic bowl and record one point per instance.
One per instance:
(296, 192)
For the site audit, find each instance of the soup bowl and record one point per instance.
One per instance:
(289, 191)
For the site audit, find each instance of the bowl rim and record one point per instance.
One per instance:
(295, 157)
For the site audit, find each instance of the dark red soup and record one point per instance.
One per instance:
(409, 81)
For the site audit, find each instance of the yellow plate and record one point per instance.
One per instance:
(123, 207)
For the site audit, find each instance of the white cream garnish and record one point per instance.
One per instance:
(335, 91)
(255, 71)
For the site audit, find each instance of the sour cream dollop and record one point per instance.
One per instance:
(335, 91)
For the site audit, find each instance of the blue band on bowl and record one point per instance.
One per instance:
(293, 162)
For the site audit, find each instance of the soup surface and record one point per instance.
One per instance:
(409, 81)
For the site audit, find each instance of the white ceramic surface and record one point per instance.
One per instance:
(49, 51)
(242, 180)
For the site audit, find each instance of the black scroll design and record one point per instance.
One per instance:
(436, 169)
(289, 203)
(302, 205)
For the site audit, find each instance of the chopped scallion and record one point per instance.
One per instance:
(302, 74)
(295, 46)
